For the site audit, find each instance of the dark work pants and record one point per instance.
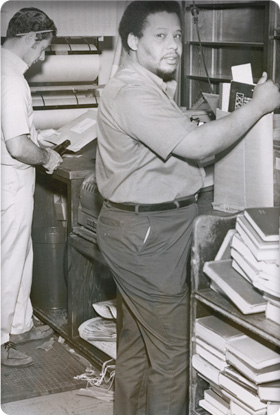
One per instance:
(147, 253)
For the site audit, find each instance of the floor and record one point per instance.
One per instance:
(65, 403)
(54, 384)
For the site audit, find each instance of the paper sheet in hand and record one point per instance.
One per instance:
(80, 131)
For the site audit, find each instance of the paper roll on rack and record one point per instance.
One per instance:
(65, 67)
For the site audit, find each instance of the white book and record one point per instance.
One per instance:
(272, 312)
(263, 251)
(254, 353)
(250, 271)
(272, 299)
(224, 250)
(219, 402)
(210, 372)
(211, 349)
(243, 405)
(266, 374)
(210, 407)
(245, 395)
(270, 391)
(234, 374)
(266, 286)
(215, 331)
(224, 95)
(269, 267)
(237, 408)
(214, 360)
(260, 279)
(273, 408)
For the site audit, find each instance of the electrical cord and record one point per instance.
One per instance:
(195, 13)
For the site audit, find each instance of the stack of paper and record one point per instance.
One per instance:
(101, 331)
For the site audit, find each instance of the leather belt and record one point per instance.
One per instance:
(176, 204)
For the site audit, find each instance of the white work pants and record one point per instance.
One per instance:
(17, 194)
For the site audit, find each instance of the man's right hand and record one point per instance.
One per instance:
(53, 162)
(266, 95)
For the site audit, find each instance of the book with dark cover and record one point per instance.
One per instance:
(240, 94)
(236, 288)
(265, 221)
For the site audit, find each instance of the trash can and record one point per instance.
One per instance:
(49, 288)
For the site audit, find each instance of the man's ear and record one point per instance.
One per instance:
(132, 41)
(30, 39)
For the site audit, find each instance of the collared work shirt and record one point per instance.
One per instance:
(16, 105)
(139, 125)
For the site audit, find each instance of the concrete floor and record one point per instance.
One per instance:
(65, 403)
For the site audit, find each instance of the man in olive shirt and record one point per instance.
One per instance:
(148, 174)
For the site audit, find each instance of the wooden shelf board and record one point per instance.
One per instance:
(223, 44)
(214, 79)
(256, 323)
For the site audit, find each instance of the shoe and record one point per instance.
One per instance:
(13, 358)
(36, 333)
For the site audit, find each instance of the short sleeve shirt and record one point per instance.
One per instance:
(139, 125)
(16, 105)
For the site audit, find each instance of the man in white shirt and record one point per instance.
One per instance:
(29, 33)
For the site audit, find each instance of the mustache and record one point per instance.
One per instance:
(171, 55)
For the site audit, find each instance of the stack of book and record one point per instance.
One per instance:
(248, 381)
(255, 253)
(211, 335)
(246, 268)
(215, 403)
(252, 379)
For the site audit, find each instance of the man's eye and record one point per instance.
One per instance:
(178, 36)
(161, 35)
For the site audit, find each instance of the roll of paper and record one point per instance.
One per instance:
(65, 68)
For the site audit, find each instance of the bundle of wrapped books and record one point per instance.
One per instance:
(246, 268)
(243, 374)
